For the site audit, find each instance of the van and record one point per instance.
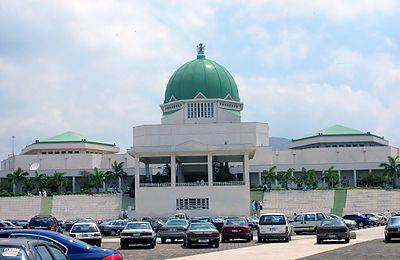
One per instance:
(274, 226)
(308, 222)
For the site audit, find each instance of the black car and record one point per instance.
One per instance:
(113, 227)
(217, 222)
(30, 249)
(46, 222)
(360, 219)
(332, 229)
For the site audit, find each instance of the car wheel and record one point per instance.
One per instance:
(188, 244)
(113, 233)
(216, 245)
(319, 241)
(248, 239)
(259, 240)
(163, 240)
(172, 240)
(124, 246)
(347, 240)
(388, 238)
(287, 239)
(152, 245)
(360, 224)
(223, 240)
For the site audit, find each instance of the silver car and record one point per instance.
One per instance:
(173, 229)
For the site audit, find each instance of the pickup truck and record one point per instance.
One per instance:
(274, 226)
(308, 222)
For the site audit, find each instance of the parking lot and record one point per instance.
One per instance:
(300, 246)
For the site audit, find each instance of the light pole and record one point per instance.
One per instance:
(13, 154)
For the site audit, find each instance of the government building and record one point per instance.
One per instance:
(202, 159)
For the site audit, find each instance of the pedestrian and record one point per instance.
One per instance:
(261, 205)
(256, 205)
(44, 193)
(388, 215)
(40, 193)
(265, 188)
(253, 207)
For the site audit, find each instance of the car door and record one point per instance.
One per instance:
(310, 221)
(298, 223)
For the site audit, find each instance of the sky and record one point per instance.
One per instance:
(100, 68)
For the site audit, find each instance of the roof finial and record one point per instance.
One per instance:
(200, 51)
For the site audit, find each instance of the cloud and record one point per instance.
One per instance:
(336, 11)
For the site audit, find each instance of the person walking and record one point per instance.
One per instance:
(261, 205)
(253, 207)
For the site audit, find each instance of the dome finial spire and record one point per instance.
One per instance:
(200, 51)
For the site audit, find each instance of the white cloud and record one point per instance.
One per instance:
(337, 11)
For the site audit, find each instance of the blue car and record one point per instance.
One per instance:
(75, 249)
(360, 219)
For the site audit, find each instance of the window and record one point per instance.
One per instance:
(200, 110)
(320, 216)
(309, 217)
(76, 152)
(50, 152)
(43, 152)
(43, 252)
(192, 203)
(56, 152)
(69, 152)
(57, 253)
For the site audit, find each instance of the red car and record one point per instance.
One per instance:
(236, 228)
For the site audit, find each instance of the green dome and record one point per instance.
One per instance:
(201, 75)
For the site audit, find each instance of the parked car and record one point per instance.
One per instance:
(139, 232)
(235, 228)
(156, 224)
(5, 225)
(173, 229)
(19, 222)
(274, 226)
(201, 233)
(308, 222)
(360, 219)
(181, 216)
(68, 224)
(253, 221)
(113, 227)
(351, 224)
(392, 229)
(46, 222)
(333, 229)
(88, 232)
(74, 248)
(375, 219)
(30, 249)
(218, 223)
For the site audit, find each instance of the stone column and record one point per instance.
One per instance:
(137, 175)
(259, 179)
(173, 171)
(276, 180)
(355, 178)
(147, 170)
(210, 169)
(340, 179)
(246, 174)
(73, 184)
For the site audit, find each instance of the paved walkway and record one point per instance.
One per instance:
(297, 248)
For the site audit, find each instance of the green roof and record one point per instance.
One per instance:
(72, 137)
(335, 130)
(201, 76)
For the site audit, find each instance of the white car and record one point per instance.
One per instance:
(87, 232)
(138, 232)
(274, 226)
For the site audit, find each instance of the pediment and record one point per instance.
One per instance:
(200, 96)
(228, 97)
(172, 99)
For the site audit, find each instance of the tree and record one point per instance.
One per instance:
(331, 177)
(284, 177)
(391, 169)
(97, 178)
(372, 179)
(58, 181)
(268, 176)
(84, 181)
(16, 178)
(308, 177)
(222, 173)
(39, 181)
(28, 184)
(116, 173)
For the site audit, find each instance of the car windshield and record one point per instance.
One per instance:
(12, 252)
(40, 221)
(202, 226)
(138, 226)
(84, 229)
(272, 220)
(235, 222)
(394, 221)
(199, 219)
(176, 222)
(331, 222)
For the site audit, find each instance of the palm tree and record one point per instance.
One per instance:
(116, 173)
(39, 180)
(391, 169)
(28, 184)
(268, 176)
(308, 177)
(16, 178)
(284, 177)
(331, 177)
(97, 178)
(58, 180)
